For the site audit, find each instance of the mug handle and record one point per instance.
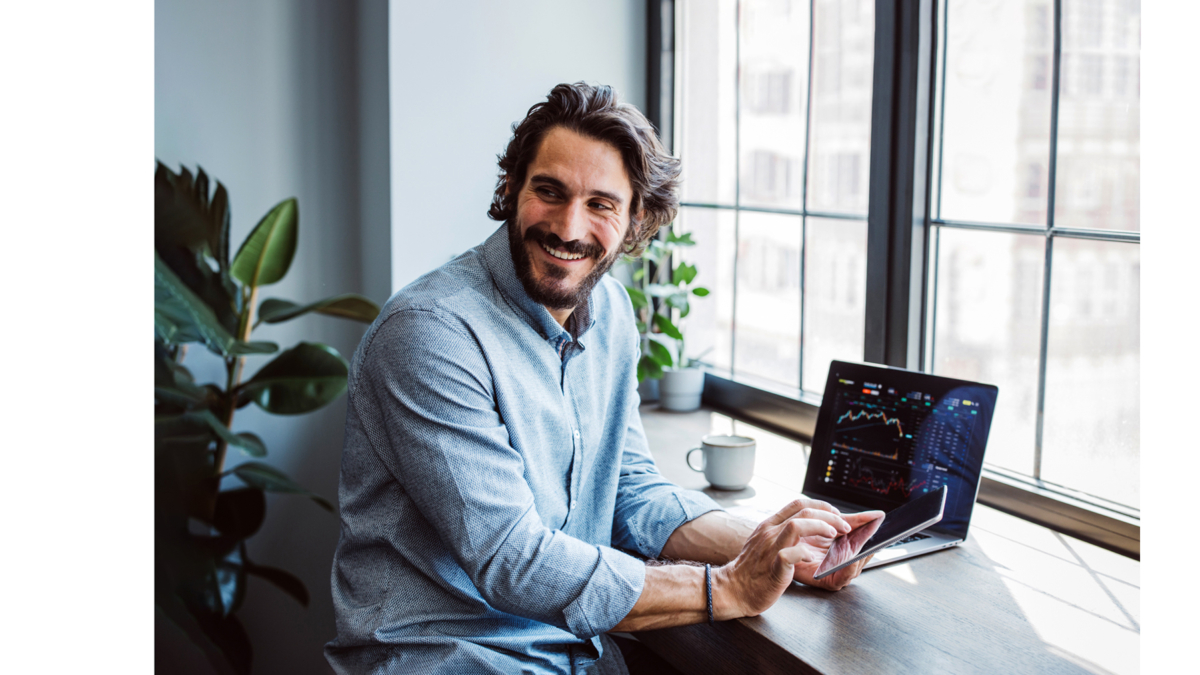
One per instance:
(688, 459)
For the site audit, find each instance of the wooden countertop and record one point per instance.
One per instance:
(1014, 598)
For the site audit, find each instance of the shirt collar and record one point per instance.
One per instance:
(497, 256)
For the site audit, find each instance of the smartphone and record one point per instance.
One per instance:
(868, 538)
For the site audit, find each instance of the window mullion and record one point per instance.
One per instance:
(1051, 192)
(804, 182)
(898, 211)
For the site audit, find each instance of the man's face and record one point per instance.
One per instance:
(572, 218)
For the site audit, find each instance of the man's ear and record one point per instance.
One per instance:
(508, 186)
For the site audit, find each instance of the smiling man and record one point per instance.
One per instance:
(497, 495)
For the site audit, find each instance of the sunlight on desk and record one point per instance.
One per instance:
(1015, 597)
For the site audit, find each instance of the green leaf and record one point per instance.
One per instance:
(648, 368)
(302, 379)
(239, 513)
(218, 226)
(349, 306)
(268, 478)
(660, 354)
(191, 234)
(700, 291)
(174, 425)
(267, 253)
(664, 324)
(656, 252)
(255, 444)
(684, 239)
(284, 581)
(638, 274)
(637, 297)
(173, 384)
(678, 301)
(684, 274)
(179, 313)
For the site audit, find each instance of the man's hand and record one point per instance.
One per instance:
(796, 537)
(817, 547)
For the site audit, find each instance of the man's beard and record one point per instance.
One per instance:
(547, 293)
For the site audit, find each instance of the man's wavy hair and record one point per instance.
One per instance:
(597, 112)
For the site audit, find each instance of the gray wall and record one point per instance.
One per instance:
(280, 98)
(461, 74)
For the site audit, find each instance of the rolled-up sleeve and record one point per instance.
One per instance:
(649, 507)
(429, 409)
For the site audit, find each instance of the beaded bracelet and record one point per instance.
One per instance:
(708, 589)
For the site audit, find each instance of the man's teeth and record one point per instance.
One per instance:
(560, 255)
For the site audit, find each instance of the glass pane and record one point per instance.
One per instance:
(1099, 145)
(707, 44)
(996, 144)
(709, 326)
(767, 330)
(835, 303)
(1090, 439)
(774, 81)
(988, 329)
(843, 59)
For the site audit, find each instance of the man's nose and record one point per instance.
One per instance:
(571, 225)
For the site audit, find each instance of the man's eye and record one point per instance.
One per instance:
(547, 192)
(601, 206)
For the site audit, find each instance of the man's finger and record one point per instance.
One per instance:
(839, 523)
(793, 555)
(857, 519)
(797, 528)
(790, 509)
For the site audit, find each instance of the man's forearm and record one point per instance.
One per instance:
(675, 595)
(756, 564)
(715, 537)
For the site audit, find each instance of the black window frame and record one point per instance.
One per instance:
(900, 222)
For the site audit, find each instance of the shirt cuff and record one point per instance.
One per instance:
(654, 529)
(610, 594)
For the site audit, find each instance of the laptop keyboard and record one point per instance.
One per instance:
(908, 540)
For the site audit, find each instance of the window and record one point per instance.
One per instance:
(773, 128)
(1030, 271)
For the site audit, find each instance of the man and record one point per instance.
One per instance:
(495, 471)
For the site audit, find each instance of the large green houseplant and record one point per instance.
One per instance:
(661, 295)
(205, 512)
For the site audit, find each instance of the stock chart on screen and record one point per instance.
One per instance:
(895, 444)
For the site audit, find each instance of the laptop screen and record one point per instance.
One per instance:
(886, 435)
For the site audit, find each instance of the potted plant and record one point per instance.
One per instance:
(202, 295)
(661, 290)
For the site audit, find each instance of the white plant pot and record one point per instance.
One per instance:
(680, 390)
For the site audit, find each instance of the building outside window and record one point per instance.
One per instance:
(1033, 264)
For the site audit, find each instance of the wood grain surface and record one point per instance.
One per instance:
(1014, 598)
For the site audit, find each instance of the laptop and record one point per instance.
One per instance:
(886, 436)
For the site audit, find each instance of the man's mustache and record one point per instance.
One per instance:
(574, 247)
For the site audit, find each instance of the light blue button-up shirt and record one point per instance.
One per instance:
(494, 463)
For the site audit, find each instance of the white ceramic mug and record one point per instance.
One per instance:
(727, 461)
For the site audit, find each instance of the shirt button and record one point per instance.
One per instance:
(574, 502)
(576, 433)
